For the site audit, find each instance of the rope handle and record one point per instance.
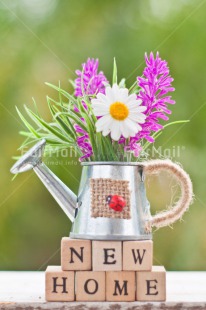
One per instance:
(176, 211)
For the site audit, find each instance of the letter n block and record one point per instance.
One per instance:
(137, 255)
(120, 286)
(90, 286)
(106, 255)
(76, 254)
(151, 285)
(59, 284)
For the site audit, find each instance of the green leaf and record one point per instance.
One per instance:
(176, 122)
(30, 128)
(122, 83)
(40, 122)
(14, 177)
(102, 153)
(75, 118)
(35, 105)
(134, 89)
(26, 143)
(26, 133)
(72, 83)
(159, 132)
(109, 149)
(63, 92)
(114, 77)
(62, 105)
(68, 130)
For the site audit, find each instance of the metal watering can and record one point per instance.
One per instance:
(111, 203)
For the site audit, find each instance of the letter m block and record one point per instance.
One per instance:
(120, 286)
(76, 254)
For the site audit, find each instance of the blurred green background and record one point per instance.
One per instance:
(46, 41)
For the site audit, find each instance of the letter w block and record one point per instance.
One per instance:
(76, 254)
(138, 255)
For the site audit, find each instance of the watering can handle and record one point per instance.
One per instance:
(175, 212)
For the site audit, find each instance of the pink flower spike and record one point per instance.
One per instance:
(133, 147)
(154, 87)
(89, 80)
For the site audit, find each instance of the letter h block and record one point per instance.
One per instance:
(59, 284)
(76, 254)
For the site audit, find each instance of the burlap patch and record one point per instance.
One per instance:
(100, 189)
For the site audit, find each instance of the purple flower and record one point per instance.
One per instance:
(83, 143)
(89, 80)
(133, 147)
(154, 86)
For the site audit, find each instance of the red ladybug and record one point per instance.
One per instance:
(115, 202)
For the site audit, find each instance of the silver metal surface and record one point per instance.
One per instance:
(114, 163)
(61, 193)
(30, 159)
(87, 227)
(78, 208)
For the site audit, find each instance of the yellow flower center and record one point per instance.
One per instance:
(119, 111)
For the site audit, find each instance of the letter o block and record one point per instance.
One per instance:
(90, 286)
(76, 254)
(106, 255)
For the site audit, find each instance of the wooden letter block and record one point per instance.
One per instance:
(90, 286)
(76, 254)
(106, 255)
(59, 284)
(151, 286)
(120, 286)
(137, 255)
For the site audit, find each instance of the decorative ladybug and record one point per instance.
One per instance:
(115, 202)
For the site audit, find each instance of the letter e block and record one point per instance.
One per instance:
(59, 284)
(90, 286)
(120, 286)
(76, 254)
(137, 255)
(151, 286)
(106, 255)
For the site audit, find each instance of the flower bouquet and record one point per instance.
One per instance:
(104, 121)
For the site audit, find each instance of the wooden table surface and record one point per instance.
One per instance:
(25, 290)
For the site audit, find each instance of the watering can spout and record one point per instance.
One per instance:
(61, 193)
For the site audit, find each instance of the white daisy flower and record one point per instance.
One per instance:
(121, 113)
